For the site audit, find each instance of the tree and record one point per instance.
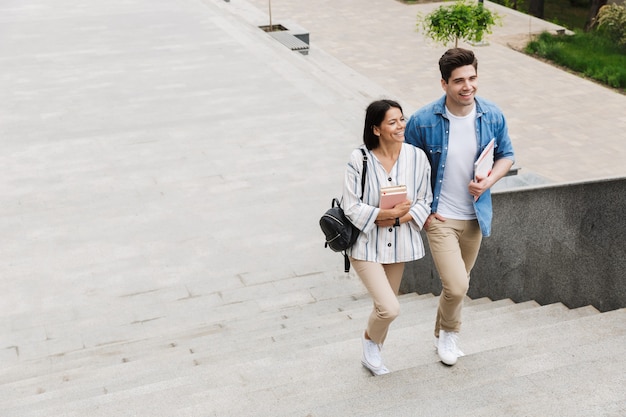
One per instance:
(535, 8)
(611, 23)
(462, 20)
(596, 5)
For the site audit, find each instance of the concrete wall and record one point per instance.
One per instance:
(563, 243)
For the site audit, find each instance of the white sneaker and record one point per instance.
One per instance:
(448, 347)
(381, 371)
(372, 358)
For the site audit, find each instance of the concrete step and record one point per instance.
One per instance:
(60, 331)
(346, 385)
(223, 372)
(300, 318)
(565, 370)
(212, 343)
(546, 351)
(221, 340)
(488, 391)
(60, 368)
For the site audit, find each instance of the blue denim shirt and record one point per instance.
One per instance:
(429, 129)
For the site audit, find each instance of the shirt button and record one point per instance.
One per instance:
(389, 244)
(391, 229)
(389, 179)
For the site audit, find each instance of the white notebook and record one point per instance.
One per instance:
(484, 163)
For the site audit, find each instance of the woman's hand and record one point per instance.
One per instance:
(387, 218)
(402, 208)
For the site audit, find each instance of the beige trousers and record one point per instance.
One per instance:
(383, 283)
(454, 245)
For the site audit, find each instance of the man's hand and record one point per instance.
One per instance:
(430, 219)
(482, 184)
(478, 187)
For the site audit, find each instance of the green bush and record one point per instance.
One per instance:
(591, 54)
(460, 21)
(611, 23)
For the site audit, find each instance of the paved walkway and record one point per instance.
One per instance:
(164, 164)
(564, 128)
(164, 157)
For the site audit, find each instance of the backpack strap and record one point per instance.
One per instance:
(364, 173)
(346, 260)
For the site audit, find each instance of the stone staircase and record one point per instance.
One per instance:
(176, 318)
(522, 359)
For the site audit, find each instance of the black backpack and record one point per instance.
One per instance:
(340, 233)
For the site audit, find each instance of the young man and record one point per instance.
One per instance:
(453, 131)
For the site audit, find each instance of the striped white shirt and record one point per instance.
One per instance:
(387, 245)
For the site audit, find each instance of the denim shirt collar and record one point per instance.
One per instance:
(440, 107)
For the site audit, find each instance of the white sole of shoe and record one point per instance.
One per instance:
(375, 371)
(447, 362)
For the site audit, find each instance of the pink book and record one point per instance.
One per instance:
(390, 196)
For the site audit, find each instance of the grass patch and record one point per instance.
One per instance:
(588, 54)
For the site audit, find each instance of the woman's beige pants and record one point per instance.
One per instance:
(382, 283)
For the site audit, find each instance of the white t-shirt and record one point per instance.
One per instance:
(455, 201)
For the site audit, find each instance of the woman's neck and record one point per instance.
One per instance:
(388, 155)
(388, 151)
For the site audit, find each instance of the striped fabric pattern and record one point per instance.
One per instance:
(387, 244)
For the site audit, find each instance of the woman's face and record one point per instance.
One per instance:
(391, 129)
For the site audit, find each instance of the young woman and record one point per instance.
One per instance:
(389, 237)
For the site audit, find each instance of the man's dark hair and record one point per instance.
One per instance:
(455, 58)
(374, 116)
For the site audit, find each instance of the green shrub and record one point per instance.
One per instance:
(611, 22)
(460, 21)
(590, 54)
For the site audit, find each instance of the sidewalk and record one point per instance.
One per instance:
(564, 128)
(161, 161)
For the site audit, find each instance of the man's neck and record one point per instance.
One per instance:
(460, 111)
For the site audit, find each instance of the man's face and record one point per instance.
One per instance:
(461, 89)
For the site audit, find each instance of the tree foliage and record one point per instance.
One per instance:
(463, 20)
(611, 22)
